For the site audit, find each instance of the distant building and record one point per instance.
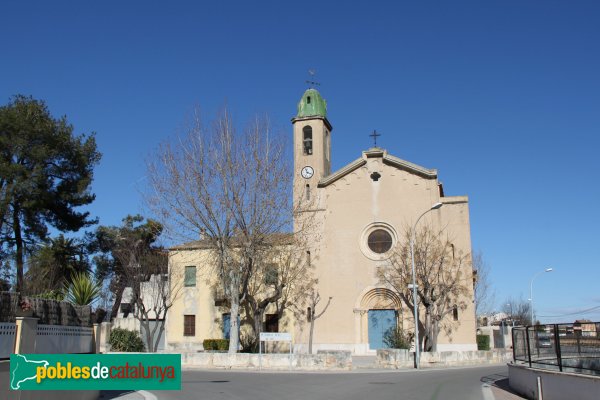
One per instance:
(127, 310)
(585, 327)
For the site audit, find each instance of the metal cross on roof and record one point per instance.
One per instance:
(311, 82)
(375, 135)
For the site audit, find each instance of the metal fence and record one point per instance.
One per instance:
(563, 347)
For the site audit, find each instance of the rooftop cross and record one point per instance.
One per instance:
(312, 81)
(375, 135)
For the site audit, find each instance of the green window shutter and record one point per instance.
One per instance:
(190, 276)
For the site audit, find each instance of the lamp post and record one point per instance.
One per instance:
(531, 291)
(414, 283)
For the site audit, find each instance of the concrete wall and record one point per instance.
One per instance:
(555, 385)
(6, 393)
(52, 339)
(329, 360)
(394, 358)
(8, 333)
(32, 338)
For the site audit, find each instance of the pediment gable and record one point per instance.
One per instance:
(386, 158)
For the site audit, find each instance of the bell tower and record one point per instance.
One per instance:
(312, 145)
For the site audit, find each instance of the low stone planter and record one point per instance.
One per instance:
(395, 358)
(330, 360)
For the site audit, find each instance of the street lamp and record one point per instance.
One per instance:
(531, 291)
(414, 282)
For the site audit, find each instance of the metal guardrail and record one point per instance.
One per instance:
(571, 347)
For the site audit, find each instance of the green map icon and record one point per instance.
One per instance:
(23, 369)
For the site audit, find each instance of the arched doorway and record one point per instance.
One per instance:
(383, 309)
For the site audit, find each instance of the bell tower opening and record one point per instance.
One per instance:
(307, 140)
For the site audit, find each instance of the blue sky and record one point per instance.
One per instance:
(501, 97)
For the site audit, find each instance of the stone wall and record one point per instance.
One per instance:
(49, 312)
(330, 360)
(394, 358)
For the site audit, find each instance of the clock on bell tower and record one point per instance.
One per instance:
(312, 145)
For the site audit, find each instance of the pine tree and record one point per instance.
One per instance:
(45, 175)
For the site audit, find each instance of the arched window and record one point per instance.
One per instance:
(307, 140)
(308, 100)
(455, 312)
(307, 192)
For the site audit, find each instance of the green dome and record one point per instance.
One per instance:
(312, 105)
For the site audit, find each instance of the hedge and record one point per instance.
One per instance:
(216, 344)
(483, 342)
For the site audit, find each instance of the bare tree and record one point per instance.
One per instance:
(483, 292)
(314, 300)
(442, 276)
(232, 191)
(283, 279)
(518, 310)
(144, 269)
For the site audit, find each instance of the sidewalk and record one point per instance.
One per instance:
(499, 387)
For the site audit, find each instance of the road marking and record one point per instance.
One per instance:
(147, 395)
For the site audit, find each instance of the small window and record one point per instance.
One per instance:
(307, 143)
(308, 100)
(380, 241)
(126, 308)
(189, 325)
(190, 276)
(307, 192)
(308, 260)
(455, 313)
(271, 275)
(226, 318)
(308, 314)
(271, 323)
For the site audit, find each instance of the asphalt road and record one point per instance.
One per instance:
(446, 384)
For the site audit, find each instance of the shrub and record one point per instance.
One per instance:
(216, 344)
(249, 343)
(483, 342)
(396, 338)
(124, 340)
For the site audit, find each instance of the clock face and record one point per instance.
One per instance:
(307, 172)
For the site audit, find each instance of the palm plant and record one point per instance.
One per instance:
(82, 290)
(54, 262)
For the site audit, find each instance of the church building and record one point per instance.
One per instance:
(362, 211)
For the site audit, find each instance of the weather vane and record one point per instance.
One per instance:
(374, 135)
(311, 82)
